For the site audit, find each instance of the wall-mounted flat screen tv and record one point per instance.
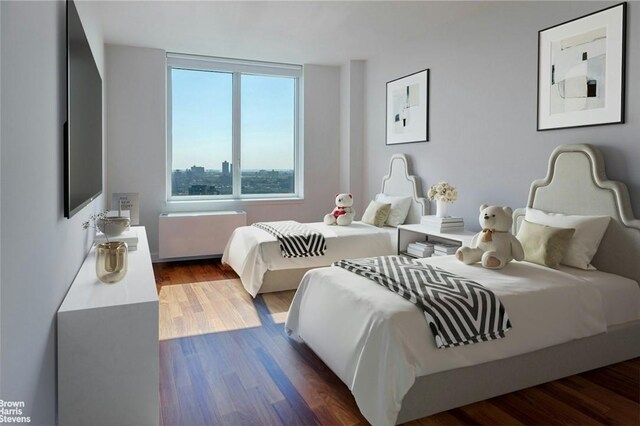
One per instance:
(83, 129)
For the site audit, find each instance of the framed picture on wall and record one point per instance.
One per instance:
(127, 201)
(408, 109)
(581, 71)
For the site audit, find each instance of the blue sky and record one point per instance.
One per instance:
(202, 127)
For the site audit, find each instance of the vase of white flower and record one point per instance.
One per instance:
(443, 194)
(441, 208)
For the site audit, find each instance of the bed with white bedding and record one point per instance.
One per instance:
(565, 320)
(255, 254)
(252, 252)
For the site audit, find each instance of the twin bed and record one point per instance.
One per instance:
(565, 320)
(255, 255)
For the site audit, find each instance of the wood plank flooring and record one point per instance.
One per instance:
(225, 360)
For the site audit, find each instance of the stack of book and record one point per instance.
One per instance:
(444, 249)
(130, 237)
(420, 249)
(443, 224)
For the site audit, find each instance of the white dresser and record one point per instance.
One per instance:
(108, 359)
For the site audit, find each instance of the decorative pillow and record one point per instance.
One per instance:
(376, 213)
(589, 231)
(399, 208)
(542, 244)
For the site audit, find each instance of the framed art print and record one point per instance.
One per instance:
(581, 71)
(127, 201)
(408, 109)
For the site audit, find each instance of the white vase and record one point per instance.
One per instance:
(441, 208)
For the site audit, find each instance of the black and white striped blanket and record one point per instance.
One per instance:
(459, 311)
(296, 239)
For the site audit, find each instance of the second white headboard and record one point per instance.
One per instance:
(400, 183)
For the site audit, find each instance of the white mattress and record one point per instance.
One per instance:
(620, 299)
(378, 342)
(251, 251)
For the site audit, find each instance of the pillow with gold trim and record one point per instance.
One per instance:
(544, 245)
(376, 213)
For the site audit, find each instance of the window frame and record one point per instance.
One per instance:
(237, 68)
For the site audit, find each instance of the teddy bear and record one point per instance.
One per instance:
(343, 214)
(494, 246)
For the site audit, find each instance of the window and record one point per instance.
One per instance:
(232, 129)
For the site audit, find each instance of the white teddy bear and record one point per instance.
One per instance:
(343, 214)
(494, 245)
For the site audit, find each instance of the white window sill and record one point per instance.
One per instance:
(230, 203)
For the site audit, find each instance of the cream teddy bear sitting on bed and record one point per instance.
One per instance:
(494, 245)
(343, 214)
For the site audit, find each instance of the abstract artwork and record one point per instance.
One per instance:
(581, 71)
(408, 109)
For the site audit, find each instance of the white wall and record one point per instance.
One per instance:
(136, 128)
(0, 204)
(352, 109)
(483, 107)
(136, 141)
(41, 250)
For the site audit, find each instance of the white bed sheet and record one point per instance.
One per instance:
(380, 342)
(251, 251)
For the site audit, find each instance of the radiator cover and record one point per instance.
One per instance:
(198, 233)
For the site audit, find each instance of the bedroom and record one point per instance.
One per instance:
(483, 62)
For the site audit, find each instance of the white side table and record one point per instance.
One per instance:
(417, 232)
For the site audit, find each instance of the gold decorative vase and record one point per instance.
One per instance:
(111, 261)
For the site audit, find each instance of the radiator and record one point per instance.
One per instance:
(197, 234)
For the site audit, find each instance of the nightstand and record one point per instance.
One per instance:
(418, 232)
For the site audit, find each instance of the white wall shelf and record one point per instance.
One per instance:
(417, 232)
(108, 353)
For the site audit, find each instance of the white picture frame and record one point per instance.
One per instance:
(127, 201)
(407, 119)
(581, 71)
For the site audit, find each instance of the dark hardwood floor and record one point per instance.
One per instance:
(237, 367)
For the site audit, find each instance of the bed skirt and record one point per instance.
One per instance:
(454, 388)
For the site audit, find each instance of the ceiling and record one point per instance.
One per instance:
(318, 32)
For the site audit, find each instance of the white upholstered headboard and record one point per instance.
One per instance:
(399, 182)
(576, 183)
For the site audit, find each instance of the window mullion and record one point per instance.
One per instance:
(237, 121)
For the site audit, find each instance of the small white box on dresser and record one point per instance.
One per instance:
(130, 237)
(108, 359)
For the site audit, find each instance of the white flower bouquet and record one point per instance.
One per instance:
(442, 191)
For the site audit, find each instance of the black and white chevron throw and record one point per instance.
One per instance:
(459, 311)
(296, 239)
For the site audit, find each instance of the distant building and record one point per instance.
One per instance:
(197, 189)
(197, 169)
(203, 190)
(227, 171)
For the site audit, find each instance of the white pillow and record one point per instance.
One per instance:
(399, 208)
(584, 244)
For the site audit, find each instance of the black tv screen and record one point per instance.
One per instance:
(83, 129)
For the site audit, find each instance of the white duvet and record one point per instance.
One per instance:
(251, 251)
(378, 343)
